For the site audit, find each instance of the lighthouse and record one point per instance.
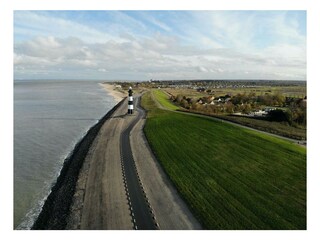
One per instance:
(130, 101)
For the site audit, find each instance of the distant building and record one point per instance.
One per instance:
(260, 113)
(268, 109)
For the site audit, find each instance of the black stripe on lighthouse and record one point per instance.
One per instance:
(130, 101)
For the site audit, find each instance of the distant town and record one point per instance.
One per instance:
(275, 101)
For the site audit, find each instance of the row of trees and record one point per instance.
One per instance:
(277, 100)
(295, 113)
(206, 107)
(267, 99)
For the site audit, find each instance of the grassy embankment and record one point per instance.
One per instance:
(162, 99)
(231, 177)
(268, 126)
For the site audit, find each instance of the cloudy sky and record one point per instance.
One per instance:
(143, 45)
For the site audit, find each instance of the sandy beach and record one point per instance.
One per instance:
(116, 93)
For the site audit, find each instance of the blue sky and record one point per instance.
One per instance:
(139, 45)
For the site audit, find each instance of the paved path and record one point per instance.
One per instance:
(141, 212)
(171, 212)
(105, 203)
(117, 190)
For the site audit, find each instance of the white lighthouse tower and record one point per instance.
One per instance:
(130, 101)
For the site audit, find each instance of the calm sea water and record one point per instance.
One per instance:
(50, 117)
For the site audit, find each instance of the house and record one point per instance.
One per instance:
(201, 89)
(268, 109)
(260, 113)
(211, 98)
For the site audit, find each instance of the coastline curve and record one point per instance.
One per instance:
(54, 212)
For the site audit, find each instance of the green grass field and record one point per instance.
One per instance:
(231, 177)
(162, 98)
(268, 126)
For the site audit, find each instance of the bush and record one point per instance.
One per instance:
(278, 116)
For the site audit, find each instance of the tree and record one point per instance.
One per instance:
(184, 103)
(246, 108)
(279, 100)
(179, 98)
(229, 107)
(278, 115)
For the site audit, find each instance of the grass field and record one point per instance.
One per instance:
(162, 98)
(268, 126)
(231, 177)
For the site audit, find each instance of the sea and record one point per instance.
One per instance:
(50, 117)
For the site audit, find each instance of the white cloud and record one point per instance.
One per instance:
(286, 30)
(33, 24)
(160, 24)
(202, 69)
(224, 47)
(152, 56)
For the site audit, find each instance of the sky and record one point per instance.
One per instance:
(162, 45)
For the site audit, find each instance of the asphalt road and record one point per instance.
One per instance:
(122, 186)
(141, 212)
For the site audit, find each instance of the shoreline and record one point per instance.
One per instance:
(55, 211)
(113, 92)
